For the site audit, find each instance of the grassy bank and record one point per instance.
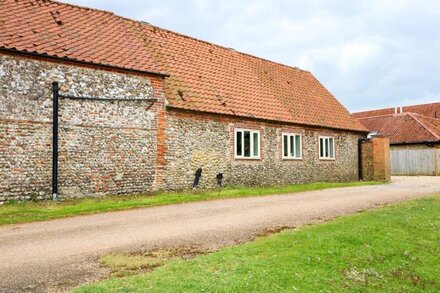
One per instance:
(392, 249)
(39, 211)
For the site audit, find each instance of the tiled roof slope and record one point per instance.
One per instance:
(211, 78)
(203, 76)
(429, 110)
(374, 113)
(68, 31)
(405, 128)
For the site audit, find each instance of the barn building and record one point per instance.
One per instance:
(141, 108)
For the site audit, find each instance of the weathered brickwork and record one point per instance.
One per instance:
(381, 158)
(376, 159)
(207, 140)
(367, 160)
(105, 146)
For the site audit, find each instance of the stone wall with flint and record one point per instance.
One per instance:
(105, 146)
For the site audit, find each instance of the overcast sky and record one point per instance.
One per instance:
(369, 54)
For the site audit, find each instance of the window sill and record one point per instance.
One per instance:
(292, 159)
(327, 159)
(247, 159)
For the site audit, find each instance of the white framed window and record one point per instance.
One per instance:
(247, 144)
(326, 148)
(292, 146)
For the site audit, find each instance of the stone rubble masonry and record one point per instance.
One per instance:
(105, 147)
(207, 140)
(123, 147)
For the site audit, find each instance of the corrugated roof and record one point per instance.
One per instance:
(203, 76)
(405, 128)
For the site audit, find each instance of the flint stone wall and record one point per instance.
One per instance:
(121, 147)
(104, 146)
(207, 140)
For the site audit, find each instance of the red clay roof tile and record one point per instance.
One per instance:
(68, 31)
(429, 110)
(203, 76)
(405, 128)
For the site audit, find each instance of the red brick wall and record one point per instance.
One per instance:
(376, 159)
(161, 148)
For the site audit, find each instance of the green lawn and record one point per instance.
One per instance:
(40, 211)
(392, 249)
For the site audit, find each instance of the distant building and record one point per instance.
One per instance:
(414, 133)
(431, 110)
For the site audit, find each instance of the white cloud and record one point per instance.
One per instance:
(155, 13)
(346, 58)
(358, 54)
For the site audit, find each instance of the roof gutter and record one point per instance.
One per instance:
(55, 58)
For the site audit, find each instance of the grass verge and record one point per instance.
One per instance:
(392, 249)
(14, 213)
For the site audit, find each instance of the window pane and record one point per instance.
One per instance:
(256, 143)
(298, 146)
(285, 145)
(331, 154)
(326, 147)
(292, 146)
(247, 144)
(239, 144)
(321, 147)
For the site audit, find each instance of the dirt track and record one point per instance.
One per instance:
(47, 256)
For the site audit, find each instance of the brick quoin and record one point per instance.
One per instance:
(161, 144)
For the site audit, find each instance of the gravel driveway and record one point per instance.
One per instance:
(47, 256)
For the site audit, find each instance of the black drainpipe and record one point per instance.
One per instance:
(55, 142)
